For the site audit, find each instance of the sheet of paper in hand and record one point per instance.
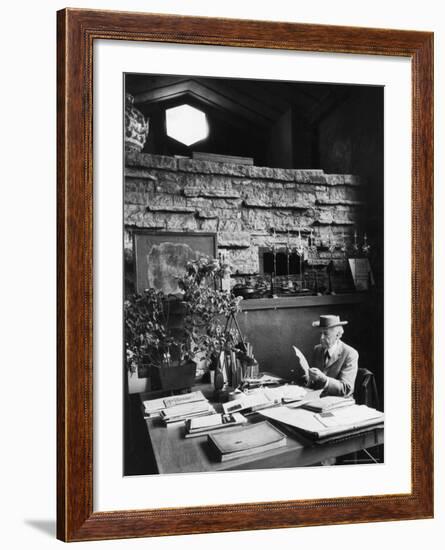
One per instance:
(301, 359)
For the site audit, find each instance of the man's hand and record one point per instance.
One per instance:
(317, 379)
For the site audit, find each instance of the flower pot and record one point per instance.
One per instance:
(175, 377)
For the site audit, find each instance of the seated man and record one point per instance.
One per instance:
(334, 364)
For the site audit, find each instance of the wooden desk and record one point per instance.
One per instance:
(175, 454)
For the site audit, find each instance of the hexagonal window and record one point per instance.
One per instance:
(186, 124)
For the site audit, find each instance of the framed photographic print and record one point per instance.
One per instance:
(244, 275)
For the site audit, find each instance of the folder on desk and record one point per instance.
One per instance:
(320, 425)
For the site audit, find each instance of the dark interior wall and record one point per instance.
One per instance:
(350, 141)
(280, 147)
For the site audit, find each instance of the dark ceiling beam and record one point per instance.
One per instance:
(251, 98)
(137, 83)
(206, 95)
(327, 106)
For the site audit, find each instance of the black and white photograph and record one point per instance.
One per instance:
(253, 273)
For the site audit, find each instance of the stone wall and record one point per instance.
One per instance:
(242, 204)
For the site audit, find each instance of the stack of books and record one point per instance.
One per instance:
(249, 440)
(196, 427)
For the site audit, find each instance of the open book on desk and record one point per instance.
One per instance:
(320, 425)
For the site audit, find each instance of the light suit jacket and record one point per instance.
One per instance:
(341, 369)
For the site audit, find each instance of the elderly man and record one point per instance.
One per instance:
(335, 363)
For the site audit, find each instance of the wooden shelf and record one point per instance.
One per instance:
(285, 302)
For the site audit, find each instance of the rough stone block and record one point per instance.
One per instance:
(145, 160)
(138, 191)
(243, 260)
(140, 217)
(179, 222)
(139, 185)
(141, 173)
(337, 194)
(207, 214)
(280, 220)
(210, 225)
(338, 202)
(342, 179)
(226, 203)
(199, 203)
(233, 239)
(169, 185)
(206, 167)
(169, 203)
(225, 214)
(230, 225)
(210, 187)
(278, 198)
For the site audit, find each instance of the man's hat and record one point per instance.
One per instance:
(329, 321)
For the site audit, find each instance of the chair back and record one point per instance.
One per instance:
(365, 389)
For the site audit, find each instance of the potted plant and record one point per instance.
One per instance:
(208, 310)
(153, 342)
(171, 351)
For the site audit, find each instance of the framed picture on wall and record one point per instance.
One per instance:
(160, 258)
(269, 156)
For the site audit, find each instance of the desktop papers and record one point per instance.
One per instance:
(153, 407)
(252, 401)
(285, 394)
(319, 425)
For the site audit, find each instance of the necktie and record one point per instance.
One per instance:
(326, 359)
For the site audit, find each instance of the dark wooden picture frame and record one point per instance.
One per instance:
(77, 31)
